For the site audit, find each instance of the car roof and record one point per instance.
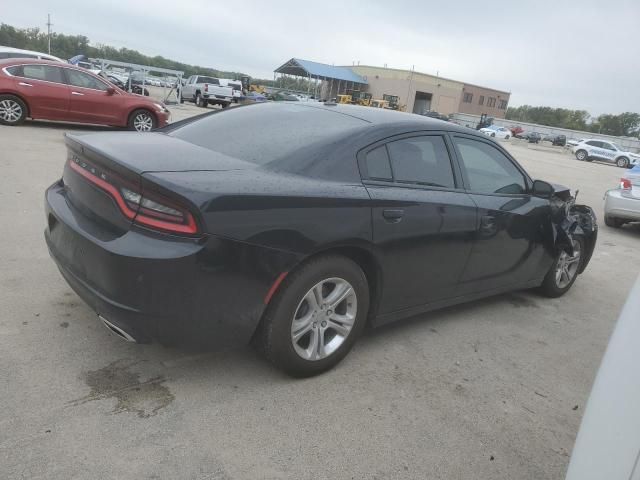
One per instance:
(30, 52)
(386, 117)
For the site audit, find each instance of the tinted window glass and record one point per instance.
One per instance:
(21, 55)
(81, 79)
(278, 131)
(607, 146)
(594, 143)
(422, 160)
(42, 72)
(16, 70)
(207, 80)
(378, 164)
(488, 169)
(4, 55)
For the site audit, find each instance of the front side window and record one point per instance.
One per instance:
(421, 160)
(608, 146)
(42, 72)
(488, 169)
(84, 80)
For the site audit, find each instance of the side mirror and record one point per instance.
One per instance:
(111, 91)
(542, 189)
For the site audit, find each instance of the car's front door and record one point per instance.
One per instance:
(423, 220)
(44, 89)
(90, 100)
(512, 225)
(595, 150)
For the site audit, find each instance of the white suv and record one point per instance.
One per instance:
(590, 150)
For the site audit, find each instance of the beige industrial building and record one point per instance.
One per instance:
(420, 92)
(417, 92)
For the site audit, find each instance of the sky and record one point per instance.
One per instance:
(578, 54)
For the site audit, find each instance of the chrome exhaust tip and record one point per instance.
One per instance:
(117, 330)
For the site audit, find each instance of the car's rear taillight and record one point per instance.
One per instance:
(149, 210)
(206, 87)
(625, 184)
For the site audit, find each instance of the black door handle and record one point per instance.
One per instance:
(393, 215)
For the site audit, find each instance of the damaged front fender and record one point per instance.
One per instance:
(570, 221)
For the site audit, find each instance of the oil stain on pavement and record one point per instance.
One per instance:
(117, 381)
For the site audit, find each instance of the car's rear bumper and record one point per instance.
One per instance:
(151, 285)
(620, 206)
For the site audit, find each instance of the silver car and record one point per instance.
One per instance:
(622, 204)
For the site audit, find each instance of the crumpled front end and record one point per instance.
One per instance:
(570, 221)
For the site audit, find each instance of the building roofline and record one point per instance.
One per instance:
(428, 75)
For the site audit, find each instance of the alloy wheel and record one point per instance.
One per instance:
(324, 318)
(622, 162)
(10, 111)
(567, 266)
(581, 155)
(143, 122)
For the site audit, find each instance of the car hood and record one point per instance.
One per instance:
(153, 152)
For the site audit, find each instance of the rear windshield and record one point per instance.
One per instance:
(207, 80)
(263, 133)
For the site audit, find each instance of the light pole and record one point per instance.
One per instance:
(49, 31)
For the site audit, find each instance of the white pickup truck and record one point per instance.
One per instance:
(203, 90)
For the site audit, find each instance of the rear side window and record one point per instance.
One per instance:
(16, 70)
(488, 169)
(42, 72)
(84, 80)
(377, 164)
(423, 160)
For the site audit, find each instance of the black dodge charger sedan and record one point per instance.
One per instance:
(295, 225)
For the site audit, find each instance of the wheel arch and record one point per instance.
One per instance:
(22, 99)
(135, 108)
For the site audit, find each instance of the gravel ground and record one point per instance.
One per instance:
(493, 389)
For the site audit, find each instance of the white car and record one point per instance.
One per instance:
(608, 443)
(622, 204)
(10, 52)
(497, 132)
(592, 149)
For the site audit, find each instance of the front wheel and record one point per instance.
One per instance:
(316, 316)
(142, 121)
(622, 162)
(13, 111)
(581, 155)
(564, 271)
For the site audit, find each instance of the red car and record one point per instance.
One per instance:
(46, 90)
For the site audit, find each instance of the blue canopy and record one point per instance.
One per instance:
(307, 68)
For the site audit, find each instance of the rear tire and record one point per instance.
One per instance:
(200, 102)
(142, 120)
(225, 105)
(613, 222)
(581, 155)
(563, 271)
(13, 111)
(297, 331)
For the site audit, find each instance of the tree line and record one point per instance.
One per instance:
(625, 124)
(67, 46)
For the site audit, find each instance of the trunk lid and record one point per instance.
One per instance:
(633, 176)
(102, 167)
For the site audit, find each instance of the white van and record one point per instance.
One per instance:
(10, 52)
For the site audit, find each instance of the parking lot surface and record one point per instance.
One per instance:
(491, 389)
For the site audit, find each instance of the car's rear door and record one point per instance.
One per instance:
(423, 220)
(512, 227)
(90, 101)
(44, 89)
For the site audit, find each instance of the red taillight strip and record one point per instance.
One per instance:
(106, 186)
(189, 228)
(274, 287)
